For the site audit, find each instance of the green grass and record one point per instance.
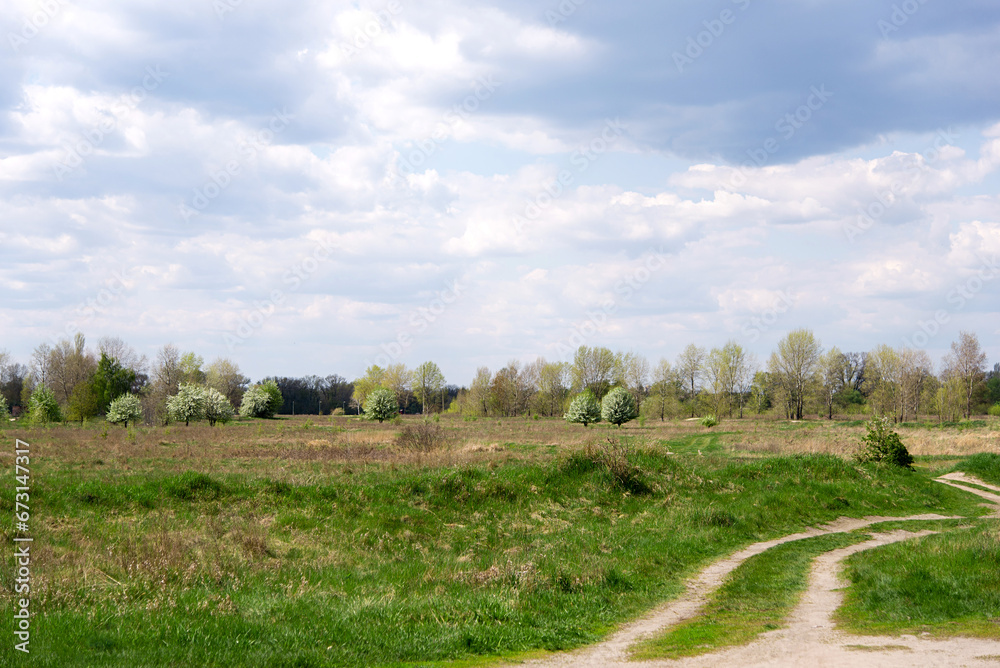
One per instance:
(946, 584)
(756, 597)
(370, 564)
(985, 466)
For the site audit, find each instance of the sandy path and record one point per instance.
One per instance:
(809, 639)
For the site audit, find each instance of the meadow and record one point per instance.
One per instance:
(329, 541)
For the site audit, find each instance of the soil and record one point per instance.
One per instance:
(810, 638)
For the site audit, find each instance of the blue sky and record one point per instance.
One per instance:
(315, 188)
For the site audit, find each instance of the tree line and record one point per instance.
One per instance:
(799, 378)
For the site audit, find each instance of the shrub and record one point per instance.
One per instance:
(381, 405)
(4, 411)
(420, 437)
(256, 403)
(584, 409)
(995, 410)
(882, 444)
(275, 400)
(337, 411)
(615, 456)
(188, 404)
(43, 407)
(618, 407)
(125, 408)
(216, 406)
(709, 421)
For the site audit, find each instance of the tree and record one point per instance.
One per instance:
(632, 373)
(915, 368)
(43, 406)
(593, 369)
(224, 375)
(188, 404)
(125, 408)
(117, 349)
(381, 404)
(399, 379)
(256, 403)
(584, 409)
(618, 406)
(368, 383)
(168, 372)
(428, 382)
(216, 406)
(69, 365)
(662, 399)
(968, 362)
(793, 366)
(479, 392)
(274, 398)
(4, 411)
(552, 390)
(883, 372)
(84, 403)
(689, 367)
(190, 369)
(832, 376)
(110, 381)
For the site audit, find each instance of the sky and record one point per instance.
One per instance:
(311, 188)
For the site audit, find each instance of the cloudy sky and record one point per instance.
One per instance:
(315, 187)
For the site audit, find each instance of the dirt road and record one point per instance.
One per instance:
(809, 639)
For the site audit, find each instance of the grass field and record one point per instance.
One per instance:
(321, 542)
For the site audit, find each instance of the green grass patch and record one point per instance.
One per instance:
(946, 584)
(985, 466)
(756, 597)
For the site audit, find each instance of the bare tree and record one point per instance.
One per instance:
(689, 366)
(794, 365)
(968, 362)
(69, 365)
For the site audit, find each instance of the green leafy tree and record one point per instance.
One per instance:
(584, 409)
(4, 411)
(125, 408)
(618, 407)
(188, 404)
(381, 404)
(217, 406)
(882, 444)
(42, 406)
(111, 380)
(274, 399)
(84, 402)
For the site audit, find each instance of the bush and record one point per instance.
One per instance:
(618, 407)
(420, 437)
(217, 407)
(256, 403)
(882, 444)
(43, 407)
(125, 408)
(4, 411)
(337, 411)
(381, 405)
(709, 421)
(615, 456)
(995, 410)
(275, 400)
(584, 409)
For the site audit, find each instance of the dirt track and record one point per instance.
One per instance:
(809, 639)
